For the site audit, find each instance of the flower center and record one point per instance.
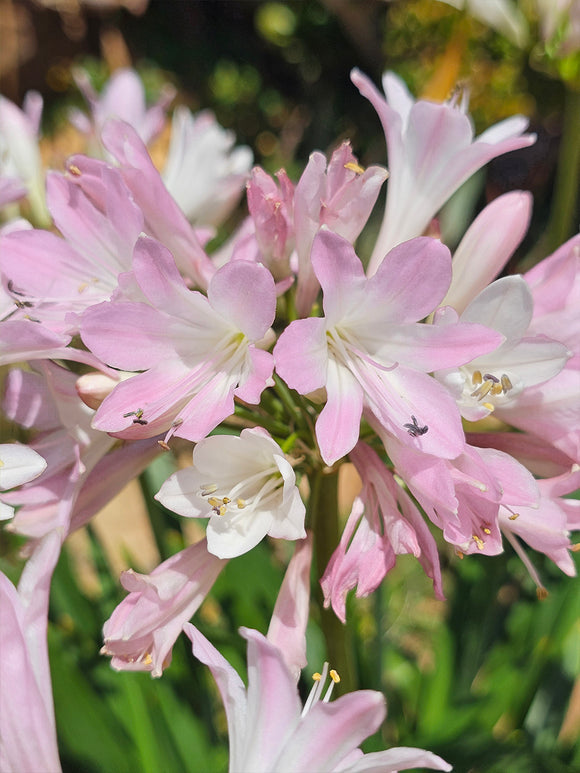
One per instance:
(254, 491)
(488, 387)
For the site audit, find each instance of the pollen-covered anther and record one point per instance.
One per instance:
(542, 593)
(490, 407)
(476, 378)
(487, 531)
(334, 675)
(478, 541)
(226, 500)
(506, 383)
(316, 677)
(354, 167)
(208, 488)
(214, 501)
(241, 503)
(74, 170)
(488, 384)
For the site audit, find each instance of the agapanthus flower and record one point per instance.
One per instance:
(244, 485)
(141, 632)
(431, 152)
(383, 523)
(496, 379)
(369, 350)
(123, 97)
(271, 732)
(51, 279)
(204, 173)
(20, 163)
(197, 353)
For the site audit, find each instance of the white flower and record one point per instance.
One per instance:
(18, 465)
(244, 485)
(204, 173)
(496, 379)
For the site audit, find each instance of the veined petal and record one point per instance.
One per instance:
(337, 427)
(331, 731)
(301, 355)
(244, 293)
(273, 707)
(231, 689)
(393, 760)
(131, 336)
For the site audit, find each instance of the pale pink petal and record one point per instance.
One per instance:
(244, 293)
(287, 629)
(301, 355)
(393, 760)
(337, 427)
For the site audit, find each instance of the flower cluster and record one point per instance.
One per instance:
(281, 356)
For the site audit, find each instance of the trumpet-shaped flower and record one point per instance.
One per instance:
(164, 219)
(18, 464)
(431, 152)
(383, 523)
(197, 352)
(204, 173)
(142, 630)
(270, 731)
(370, 350)
(122, 97)
(53, 279)
(244, 485)
(497, 378)
(20, 162)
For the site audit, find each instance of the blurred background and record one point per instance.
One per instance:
(489, 679)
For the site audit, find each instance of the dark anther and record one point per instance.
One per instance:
(414, 429)
(490, 377)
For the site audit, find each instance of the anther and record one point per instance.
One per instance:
(506, 383)
(490, 377)
(496, 389)
(208, 488)
(241, 503)
(354, 167)
(478, 541)
(487, 531)
(476, 378)
(334, 675)
(316, 677)
(214, 502)
(541, 593)
(482, 390)
(226, 500)
(490, 407)
(74, 170)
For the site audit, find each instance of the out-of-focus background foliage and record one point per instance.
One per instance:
(489, 679)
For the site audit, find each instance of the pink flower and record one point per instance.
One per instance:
(547, 527)
(431, 152)
(197, 352)
(28, 741)
(122, 97)
(340, 197)
(244, 485)
(463, 496)
(53, 279)
(142, 630)
(370, 350)
(271, 732)
(20, 162)
(164, 219)
(81, 473)
(383, 523)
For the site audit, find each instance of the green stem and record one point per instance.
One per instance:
(564, 207)
(323, 508)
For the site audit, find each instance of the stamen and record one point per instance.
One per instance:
(486, 530)
(354, 167)
(482, 390)
(226, 500)
(208, 488)
(214, 501)
(506, 383)
(241, 503)
(74, 170)
(497, 389)
(478, 541)
(490, 407)
(491, 377)
(476, 378)
(334, 679)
